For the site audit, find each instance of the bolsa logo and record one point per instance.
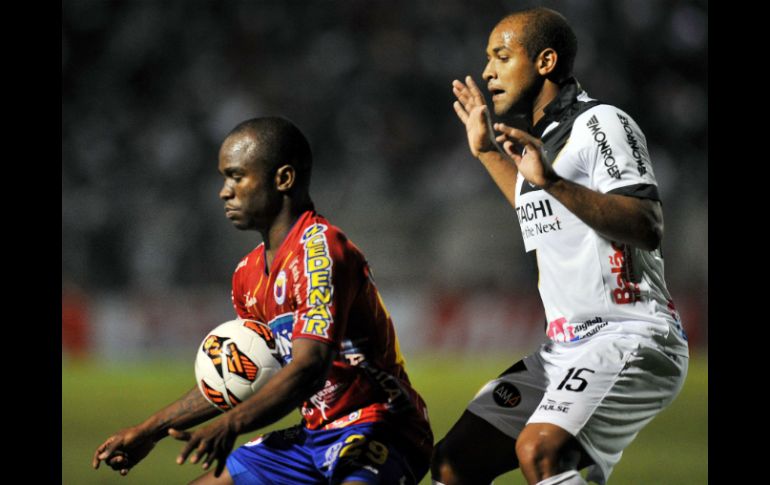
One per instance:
(279, 288)
(622, 266)
(506, 395)
(600, 138)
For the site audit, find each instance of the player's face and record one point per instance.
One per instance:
(510, 74)
(251, 200)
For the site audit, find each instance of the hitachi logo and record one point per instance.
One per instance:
(604, 148)
(534, 210)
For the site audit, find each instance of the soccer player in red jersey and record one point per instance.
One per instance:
(362, 422)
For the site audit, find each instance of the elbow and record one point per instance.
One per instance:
(310, 366)
(315, 376)
(653, 236)
(312, 374)
(653, 227)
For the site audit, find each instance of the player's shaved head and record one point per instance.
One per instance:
(272, 142)
(539, 28)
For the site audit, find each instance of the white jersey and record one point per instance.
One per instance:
(588, 283)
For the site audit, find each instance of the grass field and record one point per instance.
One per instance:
(98, 400)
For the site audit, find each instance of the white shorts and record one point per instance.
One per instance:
(603, 391)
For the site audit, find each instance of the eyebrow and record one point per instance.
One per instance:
(231, 170)
(497, 49)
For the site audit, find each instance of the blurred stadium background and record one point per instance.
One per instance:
(149, 89)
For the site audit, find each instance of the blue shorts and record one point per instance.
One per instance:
(293, 456)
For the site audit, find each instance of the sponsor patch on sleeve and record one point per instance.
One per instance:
(317, 319)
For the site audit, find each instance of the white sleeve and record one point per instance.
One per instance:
(615, 152)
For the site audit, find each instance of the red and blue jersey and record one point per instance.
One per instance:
(319, 287)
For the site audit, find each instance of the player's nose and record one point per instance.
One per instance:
(226, 192)
(488, 72)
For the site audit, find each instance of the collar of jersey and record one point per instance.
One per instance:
(554, 111)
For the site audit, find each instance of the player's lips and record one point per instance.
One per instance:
(230, 210)
(496, 92)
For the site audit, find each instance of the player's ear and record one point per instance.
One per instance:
(546, 61)
(285, 178)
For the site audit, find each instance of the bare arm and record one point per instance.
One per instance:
(188, 411)
(630, 220)
(473, 112)
(127, 447)
(293, 384)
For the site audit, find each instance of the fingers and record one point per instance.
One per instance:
(478, 98)
(179, 434)
(509, 149)
(461, 113)
(120, 463)
(478, 113)
(105, 451)
(210, 460)
(220, 467)
(468, 94)
(516, 134)
(461, 92)
(200, 452)
(519, 136)
(188, 448)
(96, 460)
(117, 461)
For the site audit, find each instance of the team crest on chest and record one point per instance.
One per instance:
(279, 288)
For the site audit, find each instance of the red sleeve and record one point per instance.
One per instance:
(327, 284)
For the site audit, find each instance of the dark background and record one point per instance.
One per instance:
(149, 90)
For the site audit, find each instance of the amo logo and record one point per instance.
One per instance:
(506, 395)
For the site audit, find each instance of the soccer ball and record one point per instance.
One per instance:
(234, 361)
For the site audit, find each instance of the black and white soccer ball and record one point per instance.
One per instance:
(235, 360)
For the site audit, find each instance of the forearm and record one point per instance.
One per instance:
(503, 171)
(283, 393)
(638, 222)
(188, 411)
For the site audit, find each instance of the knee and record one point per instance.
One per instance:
(536, 453)
(441, 465)
(445, 466)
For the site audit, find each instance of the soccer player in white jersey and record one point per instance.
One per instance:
(581, 182)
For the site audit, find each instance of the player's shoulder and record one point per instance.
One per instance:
(602, 124)
(252, 256)
(603, 117)
(317, 224)
(601, 112)
(334, 239)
